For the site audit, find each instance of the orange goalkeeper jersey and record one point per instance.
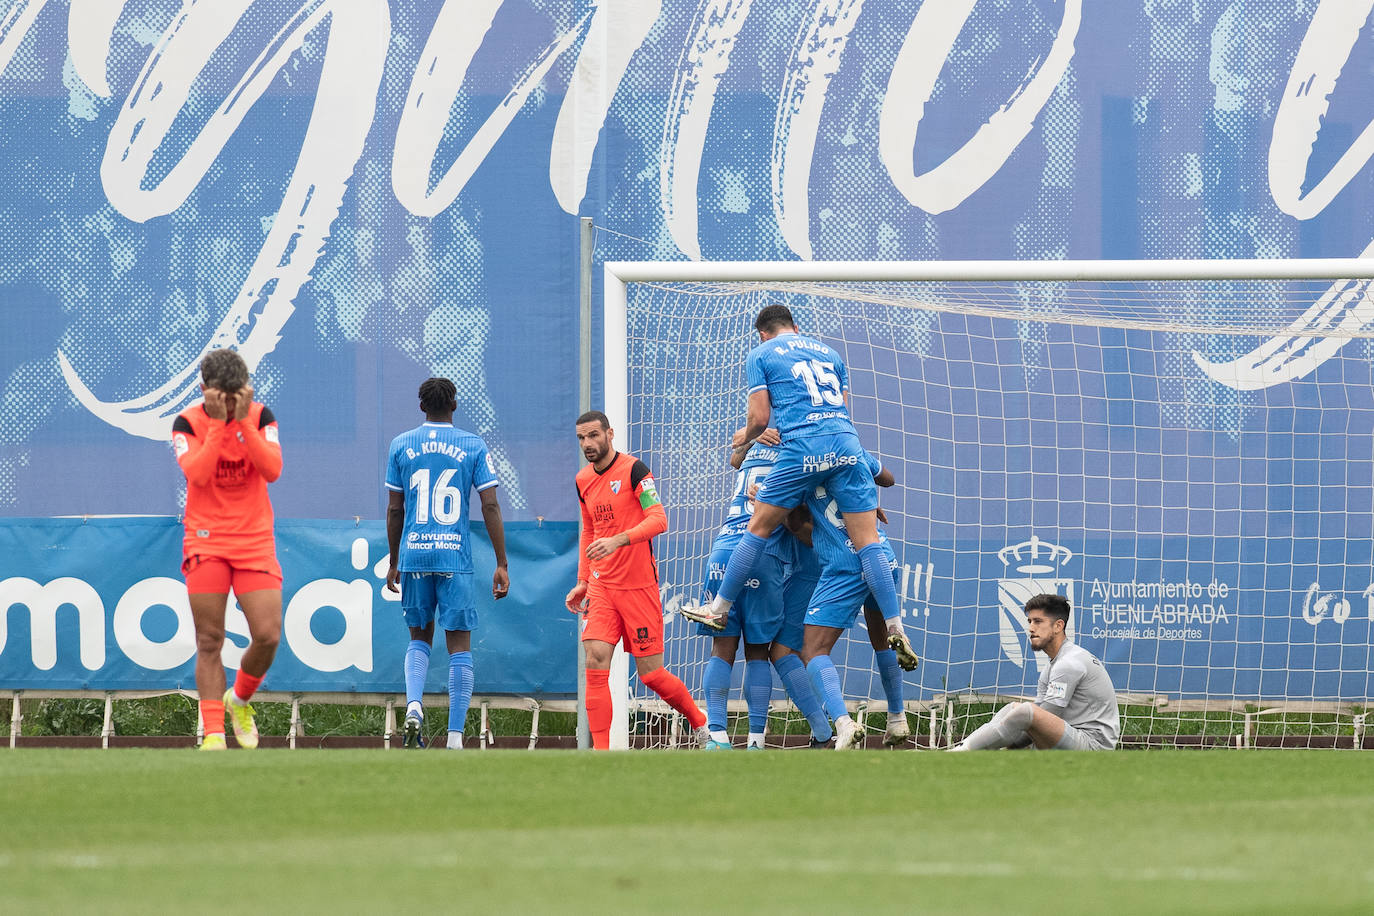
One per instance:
(228, 466)
(621, 498)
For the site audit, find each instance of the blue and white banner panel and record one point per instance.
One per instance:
(361, 193)
(99, 604)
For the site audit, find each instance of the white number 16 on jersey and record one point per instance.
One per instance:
(446, 501)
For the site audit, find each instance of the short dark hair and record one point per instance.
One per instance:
(223, 369)
(1056, 606)
(774, 316)
(594, 416)
(438, 395)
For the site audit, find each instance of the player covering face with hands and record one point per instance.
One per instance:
(229, 450)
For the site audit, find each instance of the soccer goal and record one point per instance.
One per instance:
(1182, 448)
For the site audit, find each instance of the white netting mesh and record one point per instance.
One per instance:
(1190, 462)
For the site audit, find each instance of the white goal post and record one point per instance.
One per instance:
(1181, 447)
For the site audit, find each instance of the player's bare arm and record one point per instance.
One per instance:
(496, 532)
(395, 524)
(760, 409)
(740, 446)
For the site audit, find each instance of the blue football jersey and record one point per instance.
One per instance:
(436, 465)
(758, 461)
(829, 539)
(806, 382)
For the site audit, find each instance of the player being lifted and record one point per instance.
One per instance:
(429, 472)
(617, 578)
(834, 605)
(1075, 702)
(768, 614)
(227, 446)
(802, 386)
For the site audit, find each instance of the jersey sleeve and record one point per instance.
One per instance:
(875, 467)
(182, 434)
(263, 445)
(584, 540)
(484, 472)
(642, 483)
(843, 372)
(655, 520)
(393, 469)
(753, 371)
(1060, 686)
(196, 456)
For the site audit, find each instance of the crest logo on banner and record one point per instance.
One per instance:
(1038, 563)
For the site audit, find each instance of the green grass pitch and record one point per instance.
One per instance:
(780, 831)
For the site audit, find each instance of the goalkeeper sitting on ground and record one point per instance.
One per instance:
(1075, 703)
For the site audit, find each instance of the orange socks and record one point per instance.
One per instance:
(667, 685)
(212, 716)
(246, 684)
(599, 708)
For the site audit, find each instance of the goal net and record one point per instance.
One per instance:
(1182, 449)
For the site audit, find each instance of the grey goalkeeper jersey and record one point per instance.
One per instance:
(1075, 687)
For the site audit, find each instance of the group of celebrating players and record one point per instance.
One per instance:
(800, 552)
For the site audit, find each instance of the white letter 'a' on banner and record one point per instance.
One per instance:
(345, 103)
(616, 31)
(912, 83)
(90, 28)
(1325, 50)
(1346, 306)
(714, 31)
(816, 58)
(439, 75)
(14, 25)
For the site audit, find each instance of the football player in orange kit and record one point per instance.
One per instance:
(229, 451)
(617, 578)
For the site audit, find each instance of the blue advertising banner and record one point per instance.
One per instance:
(116, 616)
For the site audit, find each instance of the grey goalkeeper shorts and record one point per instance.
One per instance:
(1076, 739)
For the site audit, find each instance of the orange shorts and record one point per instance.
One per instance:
(632, 616)
(215, 575)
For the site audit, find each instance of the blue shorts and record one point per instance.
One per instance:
(450, 594)
(839, 596)
(796, 595)
(836, 462)
(758, 612)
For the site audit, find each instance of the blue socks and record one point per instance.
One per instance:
(416, 667)
(877, 573)
(758, 688)
(715, 683)
(891, 673)
(794, 678)
(459, 689)
(827, 683)
(742, 561)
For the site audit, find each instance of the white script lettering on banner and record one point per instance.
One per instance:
(605, 39)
